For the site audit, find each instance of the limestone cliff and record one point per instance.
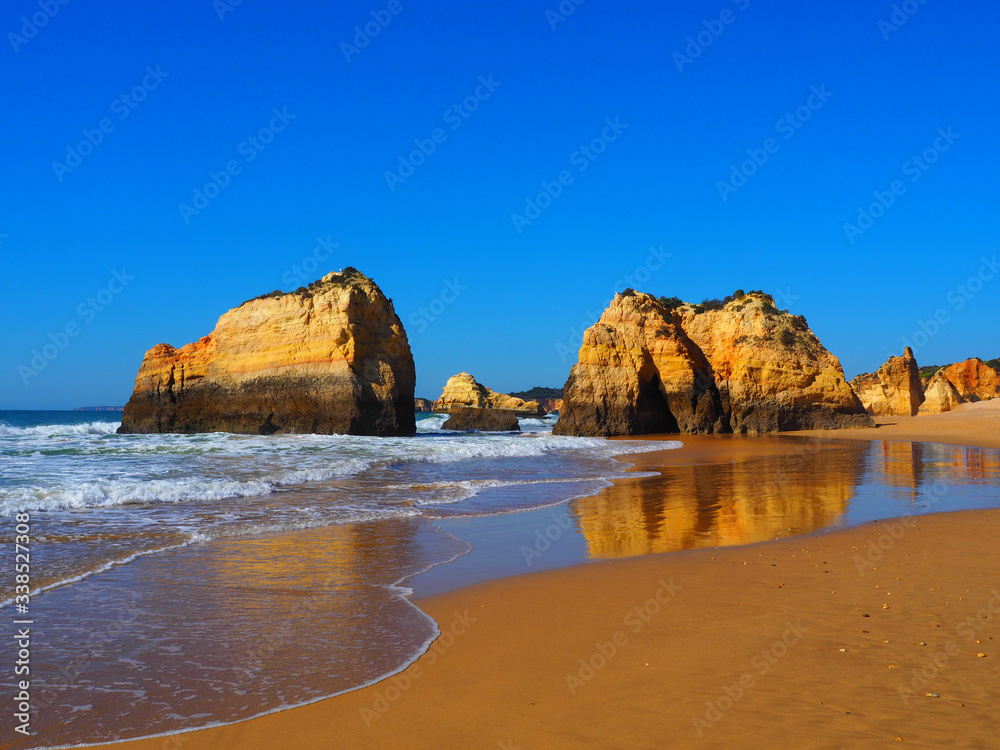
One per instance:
(895, 390)
(463, 392)
(940, 395)
(637, 373)
(974, 379)
(423, 405)
(655, 365)
(328, 358)
(772, 371)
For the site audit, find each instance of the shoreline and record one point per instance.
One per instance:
(522, 631)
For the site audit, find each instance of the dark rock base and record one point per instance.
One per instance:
(484, 420)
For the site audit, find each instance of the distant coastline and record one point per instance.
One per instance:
(99, 408)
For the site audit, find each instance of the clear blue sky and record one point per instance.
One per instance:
(656, 184)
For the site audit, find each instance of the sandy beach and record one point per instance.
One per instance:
(880, 635)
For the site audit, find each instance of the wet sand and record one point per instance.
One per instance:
(970, 424)
(865, 637)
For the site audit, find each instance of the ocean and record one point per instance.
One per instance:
(161, 563)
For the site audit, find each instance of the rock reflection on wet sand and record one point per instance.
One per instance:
(755, 491)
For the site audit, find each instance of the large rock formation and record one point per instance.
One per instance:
(772, 371)
(423, 405)
(895, 390)
(328, 358)
(463, 392)
(637, 373)
(940, 395)
(974, 379)
(653, 365)
(484, 420)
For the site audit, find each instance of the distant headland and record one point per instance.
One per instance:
(99, 408)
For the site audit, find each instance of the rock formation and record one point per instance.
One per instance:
(484, 420)
(550, 405)
(895, 390)
(423, 405)
(974, 379)
(940, 395)
(654, 365)
(328, 358)
(463, 392)
(772, 371)
(550, 399)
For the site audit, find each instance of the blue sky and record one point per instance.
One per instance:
(686, 116)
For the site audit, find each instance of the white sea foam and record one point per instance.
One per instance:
(60, 467)
(56, 430)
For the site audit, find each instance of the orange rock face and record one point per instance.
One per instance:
(895, 390)
(646, 367)
(772, 371)
(639, 373)
(974, 379)
(330, 358)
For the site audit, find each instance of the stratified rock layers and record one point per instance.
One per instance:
(645, 367)
(895, 390)
(328, 358)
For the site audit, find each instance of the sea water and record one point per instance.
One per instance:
(187, 580)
